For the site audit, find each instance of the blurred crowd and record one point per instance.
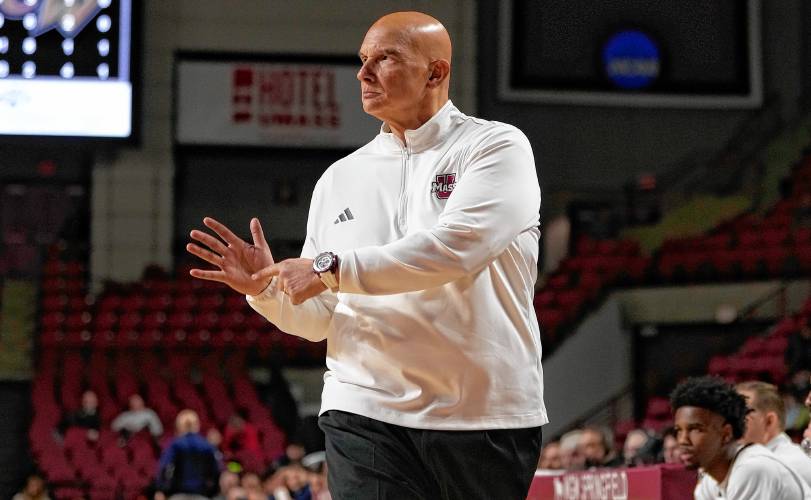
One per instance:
(226, 463)
(777, 418)
(195, 465)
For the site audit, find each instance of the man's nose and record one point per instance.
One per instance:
(364, 74)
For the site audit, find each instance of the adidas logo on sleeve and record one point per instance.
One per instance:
(344, 216)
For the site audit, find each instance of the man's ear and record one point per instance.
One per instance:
(726, 433)
(771, 419)
(440, 69)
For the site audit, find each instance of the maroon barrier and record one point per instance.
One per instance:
(658, 482)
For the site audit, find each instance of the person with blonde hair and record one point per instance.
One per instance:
(765, 424)
(188, 468)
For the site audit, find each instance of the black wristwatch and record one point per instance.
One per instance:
(325, 266)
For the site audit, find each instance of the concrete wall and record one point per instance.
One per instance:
(591, 368)
(133, 189)
(594, 367)
(671, 305)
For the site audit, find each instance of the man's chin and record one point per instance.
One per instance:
(371, 108)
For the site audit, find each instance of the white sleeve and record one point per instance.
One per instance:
(495, 199)
(706, 488)
(763, 479)
(118, 422)
(308, 320)
(155, 425)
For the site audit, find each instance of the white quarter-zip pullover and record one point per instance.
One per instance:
(433, 325)
(785, 450)
(755, 473)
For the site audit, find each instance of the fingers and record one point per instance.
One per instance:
(266, 273)
(209, 275)
(222, 231)
(303, 287)
(295, 278)
(257, 234)
(206, 255)
(209, 241)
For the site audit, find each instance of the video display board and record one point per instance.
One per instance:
(686, 53)
(66, 68)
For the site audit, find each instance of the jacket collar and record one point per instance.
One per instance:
(429, 134)
(778, 440)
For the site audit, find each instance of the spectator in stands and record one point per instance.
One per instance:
(251, 482)
(87, 416)
(241, 438)
(797, 416)
(806, 442)
(238, 493)
(597, 448)
(137, 418)
(570, 457)
(290, 481)
(798, 351)
(34, 489)
(710, 418)
(188, 466)
(650, 453)
(670, 447)
(765, 425)
(551, 457)
(634, 441)
(802, 212)
(214, 438)
(228, 480)
(316, 466)
(294, 451)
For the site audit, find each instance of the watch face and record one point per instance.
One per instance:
(323, 262)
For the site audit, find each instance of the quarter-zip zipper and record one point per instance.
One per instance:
(402, 219)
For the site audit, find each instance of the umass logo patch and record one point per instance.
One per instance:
(443, 186)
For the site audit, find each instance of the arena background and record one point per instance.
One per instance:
(674, 239)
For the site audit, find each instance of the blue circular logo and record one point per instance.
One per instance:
(631, 60)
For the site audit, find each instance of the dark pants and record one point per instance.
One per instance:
(372, 460)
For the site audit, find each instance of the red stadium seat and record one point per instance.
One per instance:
(109, 303)
(550, 320)
(775, 237)
(211, 302)
(658, 408)
(159, 302)
(185, 302)
(719, 365)
(56, 302)
(544, 299)
(558, 281)
(180, 320)
(134, 302)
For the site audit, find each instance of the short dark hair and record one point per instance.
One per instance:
(715, 395)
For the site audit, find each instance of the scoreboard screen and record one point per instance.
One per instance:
(675, 53)
(66, 68)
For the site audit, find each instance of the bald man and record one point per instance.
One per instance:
(418, 268)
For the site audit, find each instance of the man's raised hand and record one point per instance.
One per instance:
(235, 258)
